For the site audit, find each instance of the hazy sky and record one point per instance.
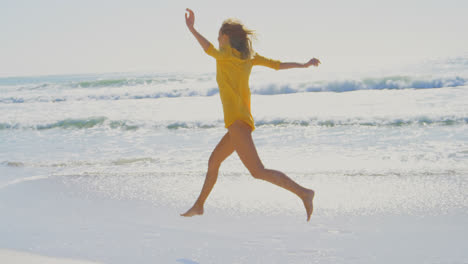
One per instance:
(42, 37)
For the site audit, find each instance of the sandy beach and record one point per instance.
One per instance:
(63, 222)
(17, 257)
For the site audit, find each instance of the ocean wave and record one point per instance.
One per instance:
(124, 82)
(99, 80)
(385, 83)
(202, 87)
(175, 93)
(80, 163)
(420, 121)
(106, 123)
(84, 123)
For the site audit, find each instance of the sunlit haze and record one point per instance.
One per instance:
(67, 37)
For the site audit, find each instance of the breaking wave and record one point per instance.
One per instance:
(173, 87)
(106, 123)
(389, 83)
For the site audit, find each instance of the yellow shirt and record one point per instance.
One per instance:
(232, 75)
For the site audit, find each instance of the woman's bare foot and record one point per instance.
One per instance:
(195, 210)
(308, 200)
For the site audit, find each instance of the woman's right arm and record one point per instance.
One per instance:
(190, 21)
(278, 65)
(290, 65)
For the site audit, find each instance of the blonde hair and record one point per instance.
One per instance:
(240, 37)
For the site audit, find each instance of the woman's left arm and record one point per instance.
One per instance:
(190, 20)
(290, 65)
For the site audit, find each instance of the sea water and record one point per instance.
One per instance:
(393, 141)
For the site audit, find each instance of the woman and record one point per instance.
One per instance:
(234, 61)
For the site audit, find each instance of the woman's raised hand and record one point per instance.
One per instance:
(190, 18)
(315, 62)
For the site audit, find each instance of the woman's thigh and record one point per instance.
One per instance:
(241, 138)
(221, 151)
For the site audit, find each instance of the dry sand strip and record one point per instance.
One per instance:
(18, 257)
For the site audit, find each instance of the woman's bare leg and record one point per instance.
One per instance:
(219, 154)
(241, 139)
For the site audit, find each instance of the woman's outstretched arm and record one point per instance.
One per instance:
(290, 65)
(190, 21)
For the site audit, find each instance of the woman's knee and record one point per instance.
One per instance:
(258, 172)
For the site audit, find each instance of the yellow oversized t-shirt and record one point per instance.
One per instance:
(232, 75)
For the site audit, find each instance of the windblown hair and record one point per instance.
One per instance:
(240, 37)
